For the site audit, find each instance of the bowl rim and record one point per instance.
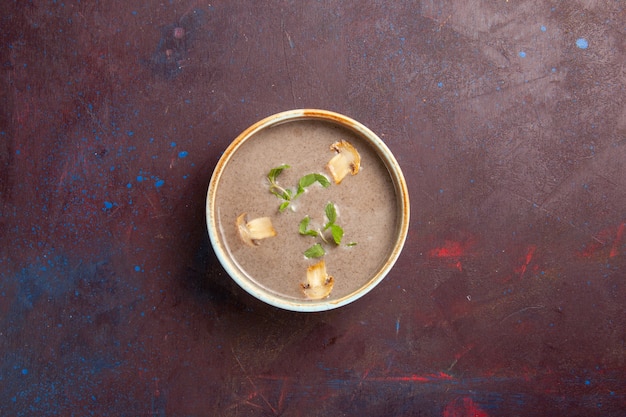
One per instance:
(383, 152)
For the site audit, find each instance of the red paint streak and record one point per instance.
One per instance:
(441, 376)
(463, 407)
(590, 250)
(598, 246)
(618, 240)
(450, 249)
(529, 257)
(281, 398)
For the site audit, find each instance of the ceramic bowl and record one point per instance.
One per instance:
(371, 207)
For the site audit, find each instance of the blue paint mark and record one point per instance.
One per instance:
(24, 371)
(439, 84)
(129, 185)
(173, 144)
(582, 43)
(522, 54)
(108, 205)
(183, 154)
(139, 178)
(159, 183)
(17, 152)
(130, 132)
(587, 382)
(134, 12)
(137, 268)
(543, 28)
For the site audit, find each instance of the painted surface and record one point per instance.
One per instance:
(507, 117)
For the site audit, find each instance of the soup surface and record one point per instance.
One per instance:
(366, 206)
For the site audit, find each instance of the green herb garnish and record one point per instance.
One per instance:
(335, 230)
(309, 180)
(286, 194)
(315, 251)
(304, 228)
(331, 215)
(275, 172)
(337, 233)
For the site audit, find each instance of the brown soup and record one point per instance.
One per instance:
(366, 205)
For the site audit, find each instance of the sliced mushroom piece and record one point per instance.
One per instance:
(254, 230)
(319, 284)
(346, 161)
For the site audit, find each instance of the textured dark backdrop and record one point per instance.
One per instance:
(508, 118)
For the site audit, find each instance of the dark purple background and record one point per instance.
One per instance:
(507, 117)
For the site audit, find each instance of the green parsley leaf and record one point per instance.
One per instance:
(337, 233)
(322, 180)
(351, 244)
(307, 180)
(280, 192)
(275, 172)
(331, 214)
(283, 206)
(315, 251)
(304, 224)
(304, 228)
(311, 179)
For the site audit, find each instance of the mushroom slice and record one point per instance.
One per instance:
(254, 230)
(346, 161)
(319, 283)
